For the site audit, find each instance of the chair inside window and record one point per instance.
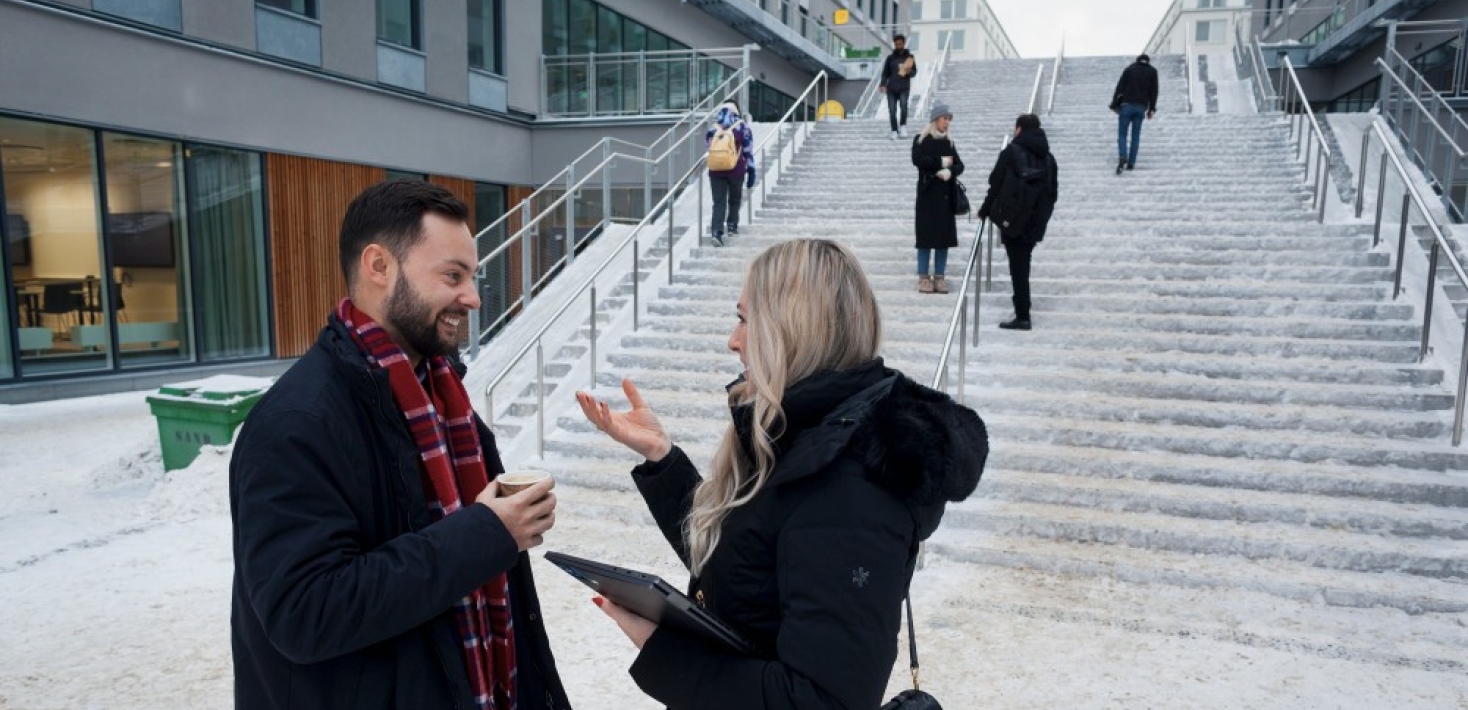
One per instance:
(62, 301)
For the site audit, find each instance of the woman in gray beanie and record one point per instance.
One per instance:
(938, 164)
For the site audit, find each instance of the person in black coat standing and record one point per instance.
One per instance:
(1023, 188)
(805, 535)
(936, 230)
(1135, 99)
(897, 73)
(367, 540)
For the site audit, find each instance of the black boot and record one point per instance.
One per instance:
(1120, 165)
(1016, 324)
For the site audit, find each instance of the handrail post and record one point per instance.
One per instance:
(672, 205)
(989, 274)
(1380, 199)
(1402, 244)
(592, 340)
(974, 287)
(570, 214)
(606, 181)
(1322, 166)
(1427, 306)
(590, 90)
(699, 224)
(527, 278)
(636, 281)
(1361, 168)
(540, 396)
(1462, 389)
(962, 349)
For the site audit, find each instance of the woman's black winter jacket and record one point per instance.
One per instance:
(936, 227)
(815, 567)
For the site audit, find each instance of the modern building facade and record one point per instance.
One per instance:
(172, 172)
(1200, 27)
(1334, 45)
(967, 27)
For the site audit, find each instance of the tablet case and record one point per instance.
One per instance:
(648, 596)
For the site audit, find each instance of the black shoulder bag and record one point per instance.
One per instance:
(914, 699)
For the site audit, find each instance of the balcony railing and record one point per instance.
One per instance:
(658, 83)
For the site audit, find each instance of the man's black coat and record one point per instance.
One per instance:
(343, 585)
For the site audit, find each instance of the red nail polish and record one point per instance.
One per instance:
(598, 601)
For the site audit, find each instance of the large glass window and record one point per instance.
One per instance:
(486, 34)
(227, 238)
(399, 22)
(126, 251)
(556, 30)
(496, 288)
(145, 293)
(582, 22)
(51, 222)
(953, 9)
(305, 8)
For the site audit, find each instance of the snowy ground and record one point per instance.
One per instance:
(114, 593)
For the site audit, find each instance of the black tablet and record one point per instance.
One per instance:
(648, 596)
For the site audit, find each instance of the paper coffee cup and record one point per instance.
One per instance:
(512, 482)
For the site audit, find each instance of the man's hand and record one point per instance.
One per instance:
(1150, 114)
(882, 88)
(944, 174)
(527, 514)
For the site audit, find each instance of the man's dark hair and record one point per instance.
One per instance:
(1027, 122)
(391, 214)
(899, 38)
(1144, 59)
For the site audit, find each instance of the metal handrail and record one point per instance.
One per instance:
(554, 181)
(821, 80)
(1440, 248)
(868, 95)
(936, 74)
(1293, 94)
(1188, 66)
(530, 225)
(666, 204)
(1259, 76)
(1055, 77)
(1035, 91)
(1414, 95)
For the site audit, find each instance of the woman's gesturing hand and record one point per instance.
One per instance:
(637, 428)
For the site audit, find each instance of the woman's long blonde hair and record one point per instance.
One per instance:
(809, 308)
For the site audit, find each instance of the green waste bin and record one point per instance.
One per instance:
(193, 414)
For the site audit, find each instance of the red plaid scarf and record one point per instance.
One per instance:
(442, 424)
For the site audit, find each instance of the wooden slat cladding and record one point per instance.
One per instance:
(462, 189)
(308, 198)
(514, 196)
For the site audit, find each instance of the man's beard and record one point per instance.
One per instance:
(414, 320)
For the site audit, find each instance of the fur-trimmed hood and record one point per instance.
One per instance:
(914, 442)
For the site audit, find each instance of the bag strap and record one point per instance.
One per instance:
(911, 641)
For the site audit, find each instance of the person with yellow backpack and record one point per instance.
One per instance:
(731, 168)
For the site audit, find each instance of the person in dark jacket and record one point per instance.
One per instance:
(897, 73)
(375, 564)
(726, 186)
(805, 535)
(1026, 157)
(936, 231)
(1135, 99)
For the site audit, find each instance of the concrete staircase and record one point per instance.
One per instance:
(1219, 409)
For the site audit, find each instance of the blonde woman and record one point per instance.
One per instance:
(804, 535)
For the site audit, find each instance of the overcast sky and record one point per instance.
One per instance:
(1090, 27)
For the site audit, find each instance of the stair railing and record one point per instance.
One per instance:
(1412, 197)
(1188, 60)
(1055, 77)
(1249, 58)
(1440, 153)
(662, 154)
(1308, 138)
(864, 104)
(934, 76)
(665, 206)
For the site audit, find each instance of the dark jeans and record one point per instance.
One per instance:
(728, 192)
(894, 100)
(1019, 274)
(1130, 118)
